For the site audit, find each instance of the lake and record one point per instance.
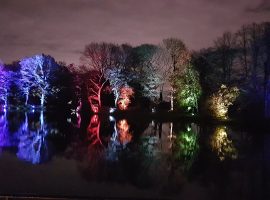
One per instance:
(50, 154)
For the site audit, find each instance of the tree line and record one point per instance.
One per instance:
(234, 72)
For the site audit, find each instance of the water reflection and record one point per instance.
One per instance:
(6, 139)
(93, 131)
(121, 136)
(29, 137)
(32, 146)
(222, 145)
(28, 132)
(186, 146)
(144, 154)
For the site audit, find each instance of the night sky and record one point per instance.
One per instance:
(62, 28)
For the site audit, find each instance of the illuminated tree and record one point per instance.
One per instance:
(118, 74)
(170, 60)
(37, 73)
(117, 80)
(188, 89)
(220, 101)
(222, 145)
(97, 59)
(162, 63)
(145, 71)
(124, 100)
(150, 83)
(5, 80)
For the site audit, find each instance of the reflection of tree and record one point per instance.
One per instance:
(120, 138)
(32, 145)
(186, 147)
(123, 132)
(93, 131)
(222, 144)
(95, 146)
(5, 137)
(90, 150)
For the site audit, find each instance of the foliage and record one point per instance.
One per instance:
(188, 89)
(124, 100)
(220, 101)
(144, 73)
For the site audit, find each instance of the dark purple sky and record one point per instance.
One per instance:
(62, 28)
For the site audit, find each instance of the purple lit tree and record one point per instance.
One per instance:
(4, 85)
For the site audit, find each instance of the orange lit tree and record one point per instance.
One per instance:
(126, 93)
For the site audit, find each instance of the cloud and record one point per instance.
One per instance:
(62, 28)
(263, 6)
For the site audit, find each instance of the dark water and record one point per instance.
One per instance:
(49, 154)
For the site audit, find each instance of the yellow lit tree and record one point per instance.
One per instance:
(220, 101)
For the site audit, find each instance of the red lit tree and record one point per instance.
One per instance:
(98, 58)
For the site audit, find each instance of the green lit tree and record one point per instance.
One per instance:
(188, 89)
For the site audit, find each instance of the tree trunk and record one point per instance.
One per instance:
(42, 99)
(25, 121)
(5, 101)
(161, 93)
(116, 95)
(160, 129)
(41, 119)
(171, 130)
(171, 97)
(26, 99)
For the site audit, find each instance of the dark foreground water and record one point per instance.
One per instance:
(47, 154)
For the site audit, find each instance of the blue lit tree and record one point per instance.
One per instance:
(5, 77)
(36, 73)
(117, 80)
